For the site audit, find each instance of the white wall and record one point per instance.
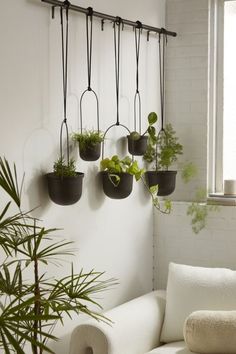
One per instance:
(186, 108)
(110, 235)
(214, 246)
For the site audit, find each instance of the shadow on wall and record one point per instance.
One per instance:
(96, 197)
(38, 147)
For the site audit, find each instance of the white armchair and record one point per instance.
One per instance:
(141, 324)
(136, 329)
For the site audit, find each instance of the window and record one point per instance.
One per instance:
(222, 94)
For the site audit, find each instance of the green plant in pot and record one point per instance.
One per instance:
(138, 143)
(32, 302)
(65, 183)
(89, 144)
(163, 150)
(117, 176)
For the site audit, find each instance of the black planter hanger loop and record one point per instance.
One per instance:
(112, 126)
(162, 42)
(137, 97)
(117, 25)
(162, 47)
(64, 42)
(89, 44)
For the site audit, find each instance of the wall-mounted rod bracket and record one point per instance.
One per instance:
(111, 18)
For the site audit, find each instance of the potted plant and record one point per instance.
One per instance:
(117, 176)
(64, 183)
(89, 144)
(137, 143)
(162, 150)
(32, 306)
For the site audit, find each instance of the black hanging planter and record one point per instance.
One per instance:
(137, 142)
(65, 190)
(90, 149)
(164, 179)
(137, 147)
(90, 152)
(64, 184)
(117, 191)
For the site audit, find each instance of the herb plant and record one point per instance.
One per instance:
(88, 139)
(163, 149)
(30, 308)
(62, 169)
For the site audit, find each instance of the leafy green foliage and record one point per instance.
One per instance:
(163, 149)
(62, 169)
(88, 139)
(153, 190)
(169, 148)
(199, 211)
(134, 136)
(9, 182)
(29, 309)
(115, 166)
(152, 119)
(189, 171)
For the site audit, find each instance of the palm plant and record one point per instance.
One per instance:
(29, 310)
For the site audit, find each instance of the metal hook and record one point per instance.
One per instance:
(139, 24)
(148, 35)
(90, 11)
(66, 3)
(53, 12)
(118, 20)
(102, 24)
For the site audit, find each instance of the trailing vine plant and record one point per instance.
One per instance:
(199, 211)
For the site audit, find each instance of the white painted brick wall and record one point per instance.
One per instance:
(186, 84)
(186, 109)
(215, 246)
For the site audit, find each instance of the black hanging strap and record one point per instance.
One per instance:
(89, 42)
(162, 47)
(89, 37)
(137, 34)
(64, 42)
(117, 28)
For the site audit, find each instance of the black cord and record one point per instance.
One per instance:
(117, 27)
(89, 36)
(137, 51)
(137, 34)
(64, 47)
(162, 74)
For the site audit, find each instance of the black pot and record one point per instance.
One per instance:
(65, 190)
(122, 190)
(137, 147)
(164, 179)
(90, 153)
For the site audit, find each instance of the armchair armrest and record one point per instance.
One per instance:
(135, 330)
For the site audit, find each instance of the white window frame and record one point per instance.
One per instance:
(215, 96)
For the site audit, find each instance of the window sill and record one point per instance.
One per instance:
(221, 199)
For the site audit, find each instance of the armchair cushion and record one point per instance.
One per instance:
(172, 348)
(195, 288)
(211, 332)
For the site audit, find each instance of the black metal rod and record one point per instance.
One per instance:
(111, 18)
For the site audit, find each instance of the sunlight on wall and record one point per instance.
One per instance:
(229, 156)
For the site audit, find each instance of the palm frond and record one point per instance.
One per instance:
(9, 181)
